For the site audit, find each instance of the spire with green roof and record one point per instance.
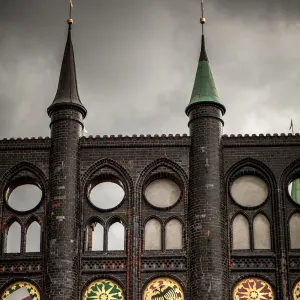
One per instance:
(204, 86)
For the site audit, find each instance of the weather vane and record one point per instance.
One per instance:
(70, 20)
(202, 20)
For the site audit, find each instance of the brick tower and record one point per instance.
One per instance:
(63, 231)
(207, 271)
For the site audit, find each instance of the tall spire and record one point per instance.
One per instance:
(204, 86)
(67, 91)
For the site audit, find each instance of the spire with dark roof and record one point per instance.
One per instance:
(204, 86)
(67, 92)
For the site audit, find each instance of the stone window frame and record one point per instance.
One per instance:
(106, 225)
(24, 227)
(163, 224)
(250, 219)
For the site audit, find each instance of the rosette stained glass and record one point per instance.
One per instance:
(103, 289)
(21, 290)
(163, 288)
(253, 289)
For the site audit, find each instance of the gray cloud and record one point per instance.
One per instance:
(136, 63)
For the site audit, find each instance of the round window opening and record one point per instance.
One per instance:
(162, 193)
(24, 197)
(294, 190)
(249, 191)
(106, 194)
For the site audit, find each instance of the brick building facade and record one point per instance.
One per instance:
(205, 216)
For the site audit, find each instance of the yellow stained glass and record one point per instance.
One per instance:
(253, 289)
(103, 289)
(296, 292)
(32, 290)
(163, 288)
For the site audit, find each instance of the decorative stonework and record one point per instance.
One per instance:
(21, 285)
(296, 292)
(163, 288)
(103, 289)
(253, 289)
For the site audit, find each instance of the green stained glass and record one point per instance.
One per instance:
(103, 290)
(295, 194)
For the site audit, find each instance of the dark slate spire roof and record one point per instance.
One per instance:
(67, 92)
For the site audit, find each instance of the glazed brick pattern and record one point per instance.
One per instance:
(204, 164)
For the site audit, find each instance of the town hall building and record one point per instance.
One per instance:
(203, 216)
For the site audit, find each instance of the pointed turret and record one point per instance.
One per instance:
(204, 86)
(67, 91)
(206, 219)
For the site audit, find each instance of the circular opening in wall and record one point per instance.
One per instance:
(294, 190)
(162, 193)
(106, 194)
(249, 191)
(23, 196)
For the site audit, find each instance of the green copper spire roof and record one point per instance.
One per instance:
(204, 87)
(296, 190)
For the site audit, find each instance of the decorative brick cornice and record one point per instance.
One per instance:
(135, 141)
(261, 140)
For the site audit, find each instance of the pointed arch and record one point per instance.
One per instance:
(173, 234)
(33, 237)
(240, 232)
(24, 167)
(108, 165)
(261, 231)
(294, 232)
(252, 165)
(153, 234)
(116, 234)
(13, 236)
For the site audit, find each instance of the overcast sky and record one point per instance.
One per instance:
(136, 62)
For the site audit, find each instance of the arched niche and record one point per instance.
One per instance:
(116, 236)
(33, 237)
(13, 237)
(173, 234)
(294, 225)
(240, 233)
(153, 235)
(261, 232)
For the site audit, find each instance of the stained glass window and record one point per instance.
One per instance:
(21, 290)
(103, 289)
(253, 289)
(163, 288)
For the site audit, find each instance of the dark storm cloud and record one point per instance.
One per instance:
(136, 63)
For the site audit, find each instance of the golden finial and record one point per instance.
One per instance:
(70, 20)
(202, 19)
